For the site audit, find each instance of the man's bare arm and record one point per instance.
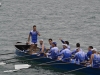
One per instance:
(29, 38)
(38, 33)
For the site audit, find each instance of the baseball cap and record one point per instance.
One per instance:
(94, 49)
(41, 39)
(65, 45)
(54, 43)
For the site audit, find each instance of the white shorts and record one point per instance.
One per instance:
(33, 43)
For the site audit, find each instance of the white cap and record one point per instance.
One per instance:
(41, 39)
(65, 45)
(94, 49)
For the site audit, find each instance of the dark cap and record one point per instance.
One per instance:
(54, 43)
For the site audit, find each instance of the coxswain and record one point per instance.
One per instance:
(34, 37)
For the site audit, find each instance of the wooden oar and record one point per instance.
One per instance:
(3, 63)
(7, 53)
(75, 70)
(19, 67)
(52, 64)
(16, 57)
(53, 61)
(13, 58)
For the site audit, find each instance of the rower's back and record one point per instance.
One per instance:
(54, 51)
(80, 56)
(66, 55)
(96, 61)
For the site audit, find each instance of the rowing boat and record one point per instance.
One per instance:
(20, 51)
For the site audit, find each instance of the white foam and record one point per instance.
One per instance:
(2, 63)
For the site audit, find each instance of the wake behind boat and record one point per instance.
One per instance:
(68, 67)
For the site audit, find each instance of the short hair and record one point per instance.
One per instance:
(50, 39)
(77, 44)
(67, 42)
(34, 26)
(91, 47)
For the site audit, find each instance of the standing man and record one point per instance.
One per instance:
(34, 36)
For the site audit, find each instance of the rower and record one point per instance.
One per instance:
(95, 59)
(79, 56)
(77, 47)
(42, 48)
(33, 35)
(89, 53)
(65, 42)
(50, 42)
(66, 54)
(53, 51)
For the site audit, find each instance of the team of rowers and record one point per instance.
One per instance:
(78, 56)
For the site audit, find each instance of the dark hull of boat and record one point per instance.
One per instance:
(59, 64)
(70, 66)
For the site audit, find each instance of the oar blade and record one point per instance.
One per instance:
(22, 66)
(10, 70)
(2, 63)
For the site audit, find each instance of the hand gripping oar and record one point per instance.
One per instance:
(75, 70)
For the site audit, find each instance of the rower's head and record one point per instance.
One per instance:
(94, 50)
(54, 44)
(64, 46)
(41, 41)
(66, 42)
(50, 41)
(90, 48)
(34, 28)
(78, 45)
